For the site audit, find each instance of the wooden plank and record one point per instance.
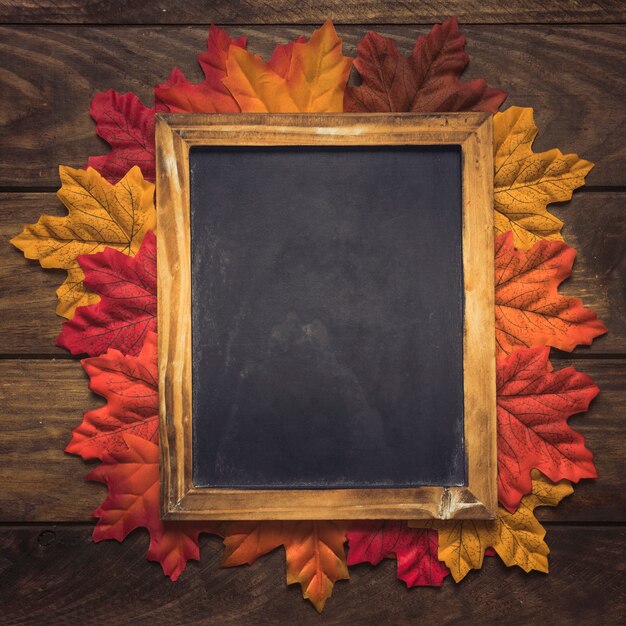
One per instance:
(57, 575)
(308, 11)
(595, 224)
(27, 292)
(43, 400)
(53, 72)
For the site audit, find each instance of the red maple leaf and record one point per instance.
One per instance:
(130, 386)
(415, 549)
(427, 81)
(281, 57)
(534, 405)
(132, 477)
(178, 95)
(530, 313)
(127, 309)
(128, 127)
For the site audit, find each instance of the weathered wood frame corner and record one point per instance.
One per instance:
(175, 135)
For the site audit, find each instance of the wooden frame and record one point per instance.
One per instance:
(175, 135)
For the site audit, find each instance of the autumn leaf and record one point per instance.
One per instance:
(99, 215)
(280, 61)
(128, 127)
(314, 552)
(530, 313)
(517, 538)
(316, 559)
(132, 477)
(245, 542)
(426, 81)
(173, 544)
(178, 95)
(129, 385)
(525, 182)
(534, 405)
(127, 309)
(414, 548)
(314, 81)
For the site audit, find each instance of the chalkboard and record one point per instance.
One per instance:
(327, 316)
(326, 326)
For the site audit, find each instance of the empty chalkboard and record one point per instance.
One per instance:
(327, 316)
(326, 326)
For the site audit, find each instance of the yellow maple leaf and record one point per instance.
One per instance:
(518, 537)
(99, 215)
(526, 182)
(314, 81)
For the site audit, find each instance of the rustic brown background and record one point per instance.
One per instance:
(566, 58)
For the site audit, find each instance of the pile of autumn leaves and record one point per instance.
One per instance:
(107, 246)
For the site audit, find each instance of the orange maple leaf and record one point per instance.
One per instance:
(302, 76)
(130, 386)
(534, 405)
(530, 313)
(314, 552)
(132, 477)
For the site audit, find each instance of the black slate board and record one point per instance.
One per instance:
(327, 316)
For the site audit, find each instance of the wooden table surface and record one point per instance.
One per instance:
(566, 58)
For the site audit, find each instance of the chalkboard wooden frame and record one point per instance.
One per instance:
(180, 499)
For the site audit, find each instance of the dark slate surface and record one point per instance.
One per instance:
(327, 316)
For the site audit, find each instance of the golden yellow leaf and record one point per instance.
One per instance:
(518, 537)
(99, 215)
(314, 81)
(526, 182)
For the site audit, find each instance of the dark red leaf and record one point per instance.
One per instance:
(427, 81)
(128, 127)
(127, 308)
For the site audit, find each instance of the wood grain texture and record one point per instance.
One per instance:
(56, 575)
(27, 292)
(594, 226)
(572, 75)
(175, 136)
(43, 400)
(308, 11)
